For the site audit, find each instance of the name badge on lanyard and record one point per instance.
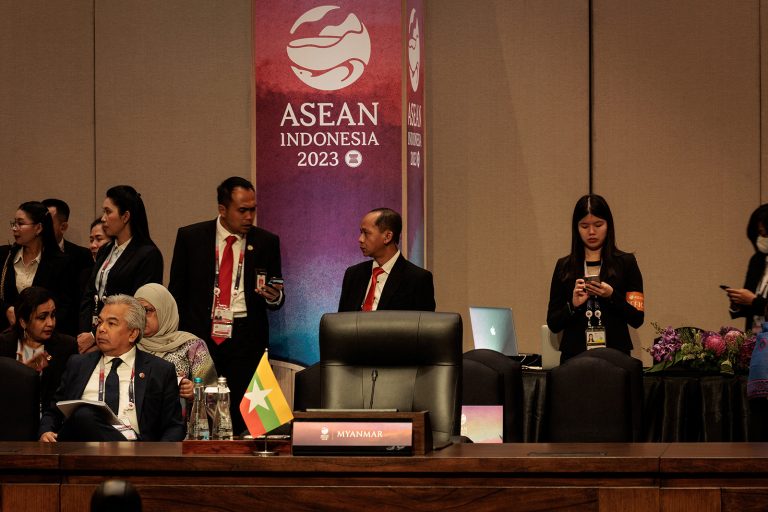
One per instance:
(594, 334)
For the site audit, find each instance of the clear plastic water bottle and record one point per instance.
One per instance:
(222, 419)
(198, 418)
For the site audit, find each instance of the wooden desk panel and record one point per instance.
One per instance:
(526, 477)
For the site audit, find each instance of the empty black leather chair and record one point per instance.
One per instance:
(588, 401)
(19, 401)
(491, 378)
(414, 357)
(636, 392)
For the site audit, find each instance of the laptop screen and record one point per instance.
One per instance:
(494, 329)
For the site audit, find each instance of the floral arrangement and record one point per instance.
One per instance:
(728, 350)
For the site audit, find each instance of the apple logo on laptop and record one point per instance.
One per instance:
(493, 330)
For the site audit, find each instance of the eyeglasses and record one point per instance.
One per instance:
(17, 225)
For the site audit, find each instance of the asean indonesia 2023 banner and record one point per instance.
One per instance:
(339, 131)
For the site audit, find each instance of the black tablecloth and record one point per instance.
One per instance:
(678, 407)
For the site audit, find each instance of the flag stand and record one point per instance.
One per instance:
(265, 452)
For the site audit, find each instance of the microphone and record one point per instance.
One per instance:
(374, 376)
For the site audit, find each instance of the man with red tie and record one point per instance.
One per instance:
(225, 275)
(388, 281)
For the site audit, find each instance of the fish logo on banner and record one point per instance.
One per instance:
(414, 50)
(333, 57)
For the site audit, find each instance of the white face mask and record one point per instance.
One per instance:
(762, 244)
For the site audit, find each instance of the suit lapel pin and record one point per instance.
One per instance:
(250, 247)
(141, 375)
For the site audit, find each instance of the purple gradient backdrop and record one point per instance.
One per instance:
(316, 211)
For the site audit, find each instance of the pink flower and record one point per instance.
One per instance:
(715, 343)
(732, 339)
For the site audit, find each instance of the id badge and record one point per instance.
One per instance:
(222, 322)
(261, 279)
(595, 337)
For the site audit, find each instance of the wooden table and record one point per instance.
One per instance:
(525, 477)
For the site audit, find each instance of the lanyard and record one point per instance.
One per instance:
(216, 287)
(131, 393)
(101, 284)
(593, 304)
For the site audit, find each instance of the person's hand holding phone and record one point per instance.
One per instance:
(594, 287)
(271, 291)
(739, 295)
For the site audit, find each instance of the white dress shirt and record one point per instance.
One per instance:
(381, 280)
(124, 411)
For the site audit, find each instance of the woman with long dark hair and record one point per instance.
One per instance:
(35, 259)
(750, 301)
(597, 290)
(34, 341)
(130, 260)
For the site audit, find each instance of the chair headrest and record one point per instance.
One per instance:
(391, 338)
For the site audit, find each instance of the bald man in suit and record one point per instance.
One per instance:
(388, 280)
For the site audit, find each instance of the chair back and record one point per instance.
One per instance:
(19, 401)
(636, 390)
(589, 402)
(404, 360)
(491, 378)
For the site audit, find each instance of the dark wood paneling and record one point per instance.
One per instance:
(30, 497)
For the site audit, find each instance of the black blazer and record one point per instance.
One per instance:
(81, 256)
(193, 271)
(616, 312)
(141, 263)
(55, 273)
(408, 287)
(60, 347)
(755, 271)
(157, 396)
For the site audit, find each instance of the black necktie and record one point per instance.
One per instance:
(112, 388)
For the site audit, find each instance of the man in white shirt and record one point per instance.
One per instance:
(140, 389)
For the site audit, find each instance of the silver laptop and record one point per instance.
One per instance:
(550, 344)
(494, 329)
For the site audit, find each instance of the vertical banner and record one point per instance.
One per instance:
(329, 118)
(414, 157)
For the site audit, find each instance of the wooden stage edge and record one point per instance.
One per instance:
(698, 477)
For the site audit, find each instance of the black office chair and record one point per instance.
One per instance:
(588, 401)
(19, 401)
(636, 392)
(413, 359)
(491, 378)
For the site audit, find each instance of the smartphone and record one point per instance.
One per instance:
(724, 286)
(591, 279)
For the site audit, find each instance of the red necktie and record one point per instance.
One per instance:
(368, 304)
(225, 279)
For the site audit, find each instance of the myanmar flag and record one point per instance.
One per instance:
(264, 407)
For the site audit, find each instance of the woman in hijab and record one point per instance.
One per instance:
(187, 352)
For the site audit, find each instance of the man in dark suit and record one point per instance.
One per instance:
(81, 256)
(141, 389)
(225, 275)
(389, 281)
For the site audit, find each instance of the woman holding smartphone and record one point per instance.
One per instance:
(597, 290)
(750, 301)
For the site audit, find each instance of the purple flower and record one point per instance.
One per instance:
(667, 346)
